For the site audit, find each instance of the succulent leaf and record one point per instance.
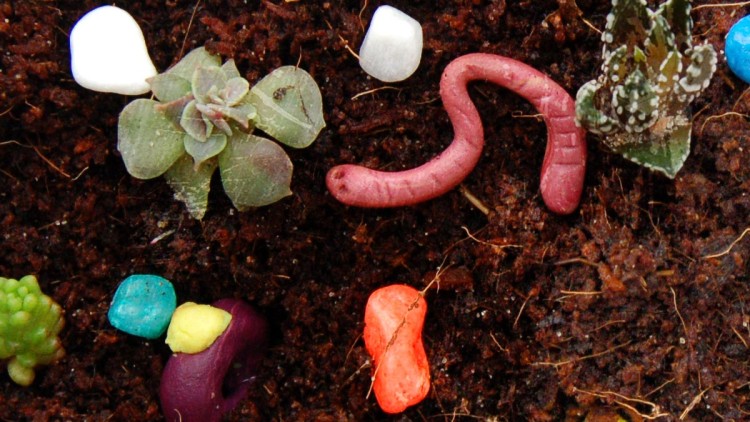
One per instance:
(698, 74)
(193, 60)
(660, 42)
(650, 74)
(677, 15)
(627, 22)
(169, 87)
(202, 151)
(666, 157)
(214, 115)
(587, 113)
(289, 106)
(147, 140)
(234, 91)
(195, 123)
(191, 185)
(635, 103)
(174, 109)
(230, 70)
(242, 114)
(207, 81)
(254, 171)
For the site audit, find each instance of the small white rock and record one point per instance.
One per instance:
(108, 53)
(392, 47)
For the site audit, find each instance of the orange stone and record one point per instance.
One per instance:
(395, 314)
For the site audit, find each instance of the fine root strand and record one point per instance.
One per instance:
(729, 248)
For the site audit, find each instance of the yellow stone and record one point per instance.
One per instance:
(194, 327)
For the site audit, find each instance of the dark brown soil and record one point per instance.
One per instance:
(540, 316)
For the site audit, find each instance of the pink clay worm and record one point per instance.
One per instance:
(563, 168)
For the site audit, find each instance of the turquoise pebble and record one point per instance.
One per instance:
(737, 48)
(143, 305)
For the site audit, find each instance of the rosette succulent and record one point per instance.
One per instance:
(205, 115)
(29, 324)
(640, 103)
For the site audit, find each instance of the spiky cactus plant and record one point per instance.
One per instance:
(640, 103)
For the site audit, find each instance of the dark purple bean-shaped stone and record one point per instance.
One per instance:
(201, 387)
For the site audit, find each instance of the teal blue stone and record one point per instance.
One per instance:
(737, 48)
(143, 305)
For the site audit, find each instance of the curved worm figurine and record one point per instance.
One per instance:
(564, 165)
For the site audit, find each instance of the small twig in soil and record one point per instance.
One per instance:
(608, 323)
(4, 112)
(51, 164)
(484, 242)
(692, 404)
(478, 204)
(357, 372)
(591, 25)
(187, 31)
(568, 293)
(707, 6)
(351, 348)
(679, 315)
(660, 387)
(742, 339)
(78, 176)
(497, 343)
(728, 249)
(580, 293)
(719, 116)
(655, 409)
(343, 40)
(14, 142)
(518, 114)
(740, 98)
(158, 238)
(361, 11)
(577, 261)
(578, 359)
(534, 292)
(374, 90)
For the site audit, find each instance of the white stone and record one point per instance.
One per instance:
(392, 47)
(108, 53)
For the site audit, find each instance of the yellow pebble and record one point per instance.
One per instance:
(195, 327)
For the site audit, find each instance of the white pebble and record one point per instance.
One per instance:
(108, 53)
(392, 47)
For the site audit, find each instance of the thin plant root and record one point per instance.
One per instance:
(729, 248)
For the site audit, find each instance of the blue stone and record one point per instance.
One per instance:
(737, 48)
(143, 305)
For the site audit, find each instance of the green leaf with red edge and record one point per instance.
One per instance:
(255, 171)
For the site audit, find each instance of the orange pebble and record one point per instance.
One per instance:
(402, 376)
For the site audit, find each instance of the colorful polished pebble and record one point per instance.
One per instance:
(737, 48)
(194, 327)
(402, 373)
(143, 305)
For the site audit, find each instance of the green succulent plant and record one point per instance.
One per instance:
(29, 324)
(205, 115)
(639, 104)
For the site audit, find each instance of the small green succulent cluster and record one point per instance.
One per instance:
(651, 73)
(204, 117)
(29, 324)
